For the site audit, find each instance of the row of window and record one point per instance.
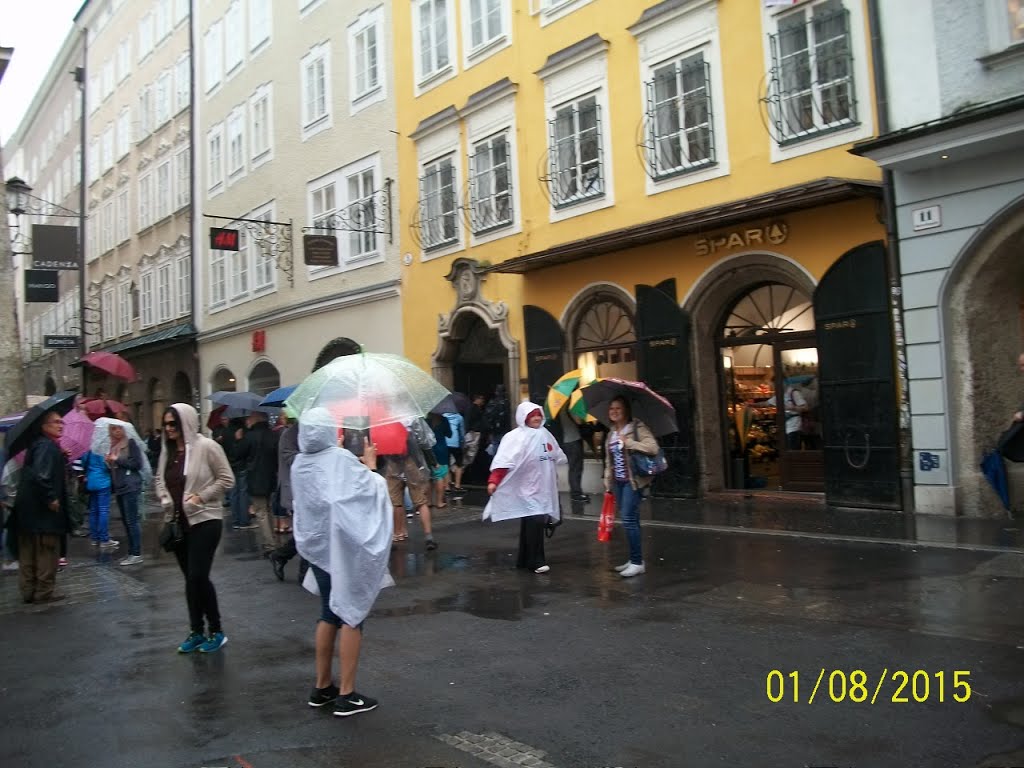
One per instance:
(224, 42)
(249, 272)
(164, 293)
(227, 154)
(58, 320)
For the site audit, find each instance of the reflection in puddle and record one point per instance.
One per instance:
(494, 603)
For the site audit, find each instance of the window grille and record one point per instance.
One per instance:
(438, 205)
(490, 185)
(680, 132)
(575, 153)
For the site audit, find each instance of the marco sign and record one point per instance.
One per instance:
(775, 233)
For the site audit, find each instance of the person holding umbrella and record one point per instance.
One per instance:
(627, 435)
(41, 508)
(191, 478)
(124, 452)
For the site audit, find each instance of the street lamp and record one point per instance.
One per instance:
(17, 195)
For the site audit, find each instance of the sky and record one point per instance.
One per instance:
(35, 29)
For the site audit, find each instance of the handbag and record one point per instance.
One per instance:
(607, 520)
(551, 524)
(170, 535)
(648, 466)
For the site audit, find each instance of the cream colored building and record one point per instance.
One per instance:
(138, 244)
(296, 120)
(44, 153)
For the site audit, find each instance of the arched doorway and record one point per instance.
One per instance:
(182, 388)
(603, 337)
(264, 378)
(223, 380)
(984, 333)
(339, 347)
(769, 375)
(480, 359)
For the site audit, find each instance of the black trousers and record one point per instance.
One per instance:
(195, 557)
(531, 542)
(574, 453)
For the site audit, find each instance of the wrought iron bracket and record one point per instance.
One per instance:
(372, 214)
(273, 239)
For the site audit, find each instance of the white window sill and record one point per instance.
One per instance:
(214, 191)
(364, 100)
(555, 12)
(1007, 57)
(711, 171)
(442, 251)
(261, 46)
(263, 157)
(317, 126)
(488, 49)
(435, 78)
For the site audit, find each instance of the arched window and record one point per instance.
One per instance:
(223, 381)
(336, 348)
(768, 310)
(604, 338)
(264, 378)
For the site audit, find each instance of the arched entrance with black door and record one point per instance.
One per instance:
(477, 357)
(339, 347)
(264, 378)
(182, 388)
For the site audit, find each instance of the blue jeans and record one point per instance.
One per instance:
(240, 501)
(628, 501)
(128, 503)
(99, 515)
(323, 583)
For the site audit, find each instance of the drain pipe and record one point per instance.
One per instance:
(893, 257)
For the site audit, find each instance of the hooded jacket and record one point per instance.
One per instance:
(207, 472)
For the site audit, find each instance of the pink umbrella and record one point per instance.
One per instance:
(77, 437)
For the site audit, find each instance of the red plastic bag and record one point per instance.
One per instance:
(607, 521)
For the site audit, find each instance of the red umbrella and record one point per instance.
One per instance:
(97, 408)
(216, 415)
(111, 363)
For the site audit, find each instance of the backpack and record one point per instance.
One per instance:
(390, 439)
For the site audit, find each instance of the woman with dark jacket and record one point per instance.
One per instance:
(191, 479)
(41, 511)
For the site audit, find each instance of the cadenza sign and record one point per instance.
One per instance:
(775, 233)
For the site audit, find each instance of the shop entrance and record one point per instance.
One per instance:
(769, 369)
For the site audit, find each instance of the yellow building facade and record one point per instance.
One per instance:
(657, 191)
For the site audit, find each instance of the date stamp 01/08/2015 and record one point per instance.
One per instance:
(896, 686)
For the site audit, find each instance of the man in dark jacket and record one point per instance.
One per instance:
(236, 449)
(287, 450)
(41, 512)
(261, 468)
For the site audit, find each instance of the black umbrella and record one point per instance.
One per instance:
(456, 402)
(19, 436)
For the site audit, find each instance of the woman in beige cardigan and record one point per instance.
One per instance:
(192, 475)
(627, 436)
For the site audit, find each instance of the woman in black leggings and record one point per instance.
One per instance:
(192, 476)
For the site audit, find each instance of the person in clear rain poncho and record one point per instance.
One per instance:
(524, 483)
(125, 455)
(342, 522)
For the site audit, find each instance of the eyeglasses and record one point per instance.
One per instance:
(170, 425)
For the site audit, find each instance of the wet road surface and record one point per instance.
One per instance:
(477, 664)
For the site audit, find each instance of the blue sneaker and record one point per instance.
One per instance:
(214, 642)
(192, 642)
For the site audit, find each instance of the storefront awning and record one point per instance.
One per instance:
(184, 331)
(810, 195)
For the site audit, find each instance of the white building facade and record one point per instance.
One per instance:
(954, 145)
(296, 137)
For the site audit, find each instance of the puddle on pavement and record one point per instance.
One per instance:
(1009, 711)
(493, 603)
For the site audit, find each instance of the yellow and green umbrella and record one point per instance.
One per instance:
(560, 393)
(578, 408)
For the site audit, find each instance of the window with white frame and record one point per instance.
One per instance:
(182, 83)
(163, 190)
(577, 171)
(439, 219)
(213, 59)
(164, 288)
(123, 229)
(239, 267)
(323, 204)
(106, 233)
(316, 89)
(107, 152)
(183, 179)
(107, 315)
(236, 143)
(261, 129)
(108, 78)
(215, 158)
(183, 272)
(145, 111)
(94, 95)
(490, 184)
(362, 214)
(811, 85)
(76, 162)
(145, 200)
(124, 132)
(124, 59)
(218, 281)
(486, 22)
(181, 9)
(234, 41)
(164, 94)
(679, 119)
(432, 38)
(147, 295)
(364, 45)
(264, 267)
(260, 22)
(163, 19)
(124, 308)
(94, 160)
(145, 36)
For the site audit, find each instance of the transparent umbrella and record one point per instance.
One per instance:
(368, 389)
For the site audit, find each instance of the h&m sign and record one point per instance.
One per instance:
(775, 233)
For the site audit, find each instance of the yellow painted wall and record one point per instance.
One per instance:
(742, 42)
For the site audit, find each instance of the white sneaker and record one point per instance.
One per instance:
(621, 568)
(109, 544)
(632, 570)
(131, 560)
(542, 569)
(11, 566)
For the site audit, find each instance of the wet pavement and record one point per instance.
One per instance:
(477, 664)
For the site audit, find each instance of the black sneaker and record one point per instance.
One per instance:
(431, 544)
(581, 497)
(353, 704)
(320, 697)
(278, 563)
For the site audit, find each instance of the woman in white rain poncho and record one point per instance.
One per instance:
(342, 522)
(524, 483)
(124, 452)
